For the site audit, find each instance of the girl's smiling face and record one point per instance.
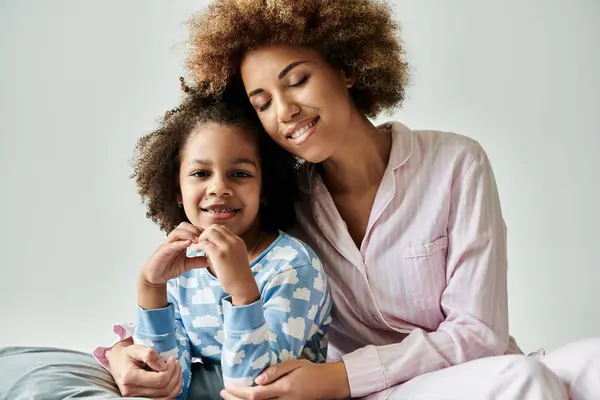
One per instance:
(220, 178)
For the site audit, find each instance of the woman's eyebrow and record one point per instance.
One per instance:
(290, 67)
(281, 75)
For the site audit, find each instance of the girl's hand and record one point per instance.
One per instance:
(169, 260)
(294, 380)
(229, 260)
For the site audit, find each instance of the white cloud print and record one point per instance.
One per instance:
(316, 263)
(256, 337)
(232, 358)
(289, 277)
(272, 337)
(246, 381)
(184, 311)
(267, 275)
(204, 296)
(257, 267)
(282, 253)
(286, 355)
(286, 267)
(319, 283)
(312, 313)
(206, 321)
(183, 363)
(302, 294)
(295, 328)
(194, 338)
(188, 283)
(210, 351)
(279, 303)
(172, 292)
(261, 362)
(220, 336)
(171, 353)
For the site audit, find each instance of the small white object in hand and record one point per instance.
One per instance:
(191, 252)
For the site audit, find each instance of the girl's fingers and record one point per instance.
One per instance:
(185, 231)
(178, 235)
(216, 238)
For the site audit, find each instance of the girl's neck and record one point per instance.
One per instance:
(251, 237)
(360, 162)
(256, 241)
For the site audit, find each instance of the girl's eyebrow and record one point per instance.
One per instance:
(235, 162)
(202, 162)
(245, 161)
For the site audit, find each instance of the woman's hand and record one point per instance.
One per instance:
(293, 380)
(169, 260)
(140, 372)
(229, 260)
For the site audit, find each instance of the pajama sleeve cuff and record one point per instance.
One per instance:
(365, 372)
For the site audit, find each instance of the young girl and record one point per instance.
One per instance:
(255, 296)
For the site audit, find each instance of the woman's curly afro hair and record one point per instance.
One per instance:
(358, 36)
(157, 159)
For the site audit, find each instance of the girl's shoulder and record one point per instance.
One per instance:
(287, 252)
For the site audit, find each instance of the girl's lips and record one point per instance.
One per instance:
(220, 213)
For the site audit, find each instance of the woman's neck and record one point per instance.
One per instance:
(360, 162)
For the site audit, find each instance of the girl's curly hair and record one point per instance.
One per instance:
(156, 161)
(359, 36)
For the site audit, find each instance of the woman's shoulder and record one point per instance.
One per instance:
(435, 144)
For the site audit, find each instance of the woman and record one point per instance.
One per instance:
(408, 223)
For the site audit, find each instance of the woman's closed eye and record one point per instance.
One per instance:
(300, 82)
(297, 84)
(264, 107)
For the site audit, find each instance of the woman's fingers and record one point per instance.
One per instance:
(140, 382)
(176, 389)
(255, 393)
(146, 355)
(228, 396)
(275, 372)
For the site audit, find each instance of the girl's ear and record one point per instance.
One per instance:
(350, 81)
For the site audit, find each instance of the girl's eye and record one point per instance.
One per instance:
(241, 174)
(300, 82)
(200, 174)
